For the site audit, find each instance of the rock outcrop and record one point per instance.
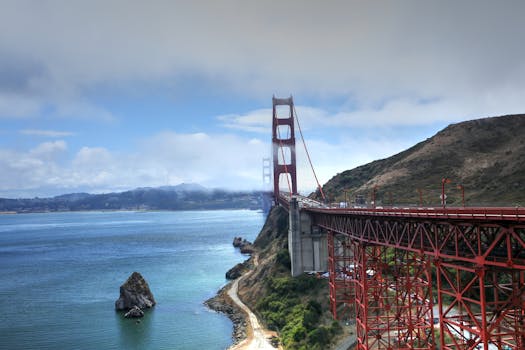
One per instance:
(222, 303)
(135, 292)
(244, 245)
(135, 312)
(236, 271)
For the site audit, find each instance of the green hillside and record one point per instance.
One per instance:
(486, 156)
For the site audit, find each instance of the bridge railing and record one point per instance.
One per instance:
(515, 214)
(304, 202)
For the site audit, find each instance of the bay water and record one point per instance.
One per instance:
(60, 275)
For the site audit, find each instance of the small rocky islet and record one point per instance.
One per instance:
(245, 246)
(135, 296)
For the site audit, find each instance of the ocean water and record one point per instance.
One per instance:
(60, 275)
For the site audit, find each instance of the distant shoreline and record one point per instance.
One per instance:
(120, 210)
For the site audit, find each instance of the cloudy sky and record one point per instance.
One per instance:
(111, 95)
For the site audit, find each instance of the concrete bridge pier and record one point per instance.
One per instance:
(307, 244)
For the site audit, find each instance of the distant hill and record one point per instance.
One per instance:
(180, 197)
(486, 156)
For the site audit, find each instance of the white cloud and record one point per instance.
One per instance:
(16, 106)
(39, 166)
(258, 121)
(223, 160)
(384, 63)
(364, 51)
(46, 133)
(331, 158)
(168, 158)
(48, 150)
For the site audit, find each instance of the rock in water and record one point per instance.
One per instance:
(135, 292)
(237, 242)
(135, 312)
(235, 271)
(245, 246)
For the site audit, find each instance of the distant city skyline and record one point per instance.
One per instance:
(102, 96)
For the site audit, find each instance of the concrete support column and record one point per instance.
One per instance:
(294, 238)
(307, 244)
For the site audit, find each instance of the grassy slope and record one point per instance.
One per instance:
(486, 156)
(298, 308)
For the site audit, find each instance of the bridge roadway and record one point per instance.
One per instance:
(489, 235)
(512, 214)
(475, 255)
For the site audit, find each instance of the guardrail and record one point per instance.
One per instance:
(515, 214)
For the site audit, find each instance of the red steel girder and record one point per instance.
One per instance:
(480, 307)
(393, 299)
(341, 275)
(498, 244)
(479, 267)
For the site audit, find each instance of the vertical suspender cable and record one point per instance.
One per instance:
(308, 155)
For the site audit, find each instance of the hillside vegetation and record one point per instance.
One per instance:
(295, 307)
(181, 197)
(485, 156)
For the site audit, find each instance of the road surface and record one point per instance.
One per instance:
(258, 339)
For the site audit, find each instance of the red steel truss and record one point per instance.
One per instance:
(389, 263)
(393, 299)
(341, 266)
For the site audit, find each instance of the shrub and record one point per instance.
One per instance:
(320, 336)
(335, 328)
(283, 258)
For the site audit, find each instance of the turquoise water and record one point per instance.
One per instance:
(60, 275)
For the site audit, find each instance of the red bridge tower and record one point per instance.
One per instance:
(283, 144)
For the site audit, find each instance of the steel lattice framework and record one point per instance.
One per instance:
(405, 271)
(401, 271)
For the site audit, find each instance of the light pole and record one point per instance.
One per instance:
(420, 191)
(443, 200)
(346, 198)
(462, 188)
(374, 195)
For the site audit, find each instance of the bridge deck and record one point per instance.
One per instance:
(516, 214)
(512, 214)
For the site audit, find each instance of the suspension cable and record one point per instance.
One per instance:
(308, 155)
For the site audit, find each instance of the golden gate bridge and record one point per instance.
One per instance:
(413, 278)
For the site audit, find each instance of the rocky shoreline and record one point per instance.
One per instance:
(222, 303)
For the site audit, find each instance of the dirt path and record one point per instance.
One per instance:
(258, 337)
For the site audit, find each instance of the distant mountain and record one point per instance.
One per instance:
(485, 156)
(183, 187)
(71, 197)
(180, 197)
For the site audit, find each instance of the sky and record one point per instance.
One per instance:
(102, 96)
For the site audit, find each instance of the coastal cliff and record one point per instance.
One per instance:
(296, 308)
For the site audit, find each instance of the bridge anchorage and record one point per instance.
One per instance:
(412, 278)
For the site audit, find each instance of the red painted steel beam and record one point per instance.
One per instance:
(280, 141)
(496, 214)
(484, 243)
(341, 270)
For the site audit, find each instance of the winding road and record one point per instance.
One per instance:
(258, 339)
